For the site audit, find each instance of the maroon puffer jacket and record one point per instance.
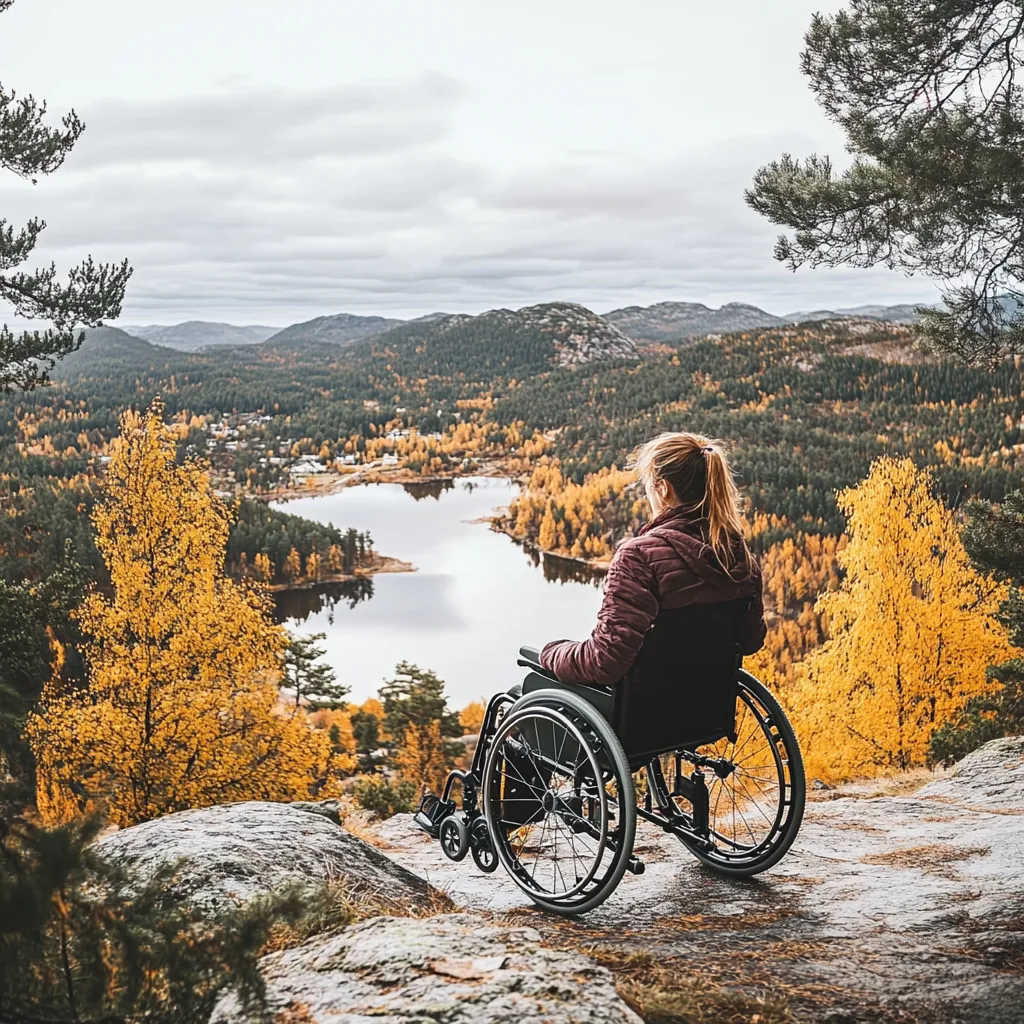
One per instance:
(668, 564)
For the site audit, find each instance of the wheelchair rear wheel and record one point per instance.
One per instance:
(756, 787)
(559, 803)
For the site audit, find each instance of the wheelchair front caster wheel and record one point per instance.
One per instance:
(454, 837)
(481, 847)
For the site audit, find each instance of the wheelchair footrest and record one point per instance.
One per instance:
(432, 811)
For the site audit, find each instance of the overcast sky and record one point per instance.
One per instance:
(265, 162)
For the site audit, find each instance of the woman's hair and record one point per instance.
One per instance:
(699, 473)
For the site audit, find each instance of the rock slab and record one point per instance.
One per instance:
(232, 853)
(897, 902)
(450, 968)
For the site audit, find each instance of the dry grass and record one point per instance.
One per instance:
(335, 905)
(294, 1013)
(1009, 961)
(934, 858)
(958, 805)
(668, 991)
(881, 785)
(857, 826)
(362, 827)
(747, 921)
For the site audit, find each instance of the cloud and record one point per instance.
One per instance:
(236, 129)
(272, 207)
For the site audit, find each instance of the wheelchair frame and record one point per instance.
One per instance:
(594, 800)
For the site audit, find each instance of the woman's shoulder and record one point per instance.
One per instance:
(631, 545)
(634, 552)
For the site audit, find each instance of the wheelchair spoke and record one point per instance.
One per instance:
(517, 778)
(748, 782)
(540, 848)
(545, 786)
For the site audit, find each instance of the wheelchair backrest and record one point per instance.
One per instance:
(681, 691)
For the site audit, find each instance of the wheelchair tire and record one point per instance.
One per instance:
(481, 848)
(736, 849)
(454, 837)
(572, 797)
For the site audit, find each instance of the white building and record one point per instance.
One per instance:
(306, 467)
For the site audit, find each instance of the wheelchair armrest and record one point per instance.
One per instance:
(529, 657)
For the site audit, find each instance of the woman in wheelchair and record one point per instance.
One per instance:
(657, 692)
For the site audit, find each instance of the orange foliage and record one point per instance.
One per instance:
(181, 705)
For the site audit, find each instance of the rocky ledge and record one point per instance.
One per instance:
(235, 852)
(453, 968)
(902, 901)
(899, 901)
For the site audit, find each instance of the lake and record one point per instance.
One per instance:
(474, 600)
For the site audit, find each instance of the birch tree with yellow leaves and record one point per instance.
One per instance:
(181, 707)
(912, 629)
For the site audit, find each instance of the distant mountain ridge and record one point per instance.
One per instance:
(523, 341)
(660, 322)
(337, 329)
(672, 321)
(666, 321)
(195, 334)
(902, 313)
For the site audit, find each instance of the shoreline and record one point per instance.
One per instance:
(335, 483)
(381, 564)
(323, 484)
(593, 564)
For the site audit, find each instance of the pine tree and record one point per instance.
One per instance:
(421, 727)
(366, 734)
(313, 682)
(93, 291)
(928, 98)
(180, 709)
(81, 940)
(33, 616)
(912, 629)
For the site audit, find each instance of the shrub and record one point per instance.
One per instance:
(378, 795)
(984, 718)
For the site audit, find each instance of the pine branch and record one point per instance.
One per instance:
(93, 291)
(927, 97)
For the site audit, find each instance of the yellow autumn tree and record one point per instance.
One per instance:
(471, 717)
(293, 565)
(912, 629)
(547, 535)
(181, 707)
(421, 759)
(335, 559)
(264, 567)
(313, 563)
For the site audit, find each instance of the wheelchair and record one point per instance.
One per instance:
(551, 794)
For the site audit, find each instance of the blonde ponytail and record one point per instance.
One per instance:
(698, 471)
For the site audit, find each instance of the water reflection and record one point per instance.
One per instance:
(473, 601)
(420, 489)
(564, 570)
(300, 604)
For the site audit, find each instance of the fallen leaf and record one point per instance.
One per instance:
(469, 969)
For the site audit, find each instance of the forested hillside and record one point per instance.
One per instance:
(807, 408)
